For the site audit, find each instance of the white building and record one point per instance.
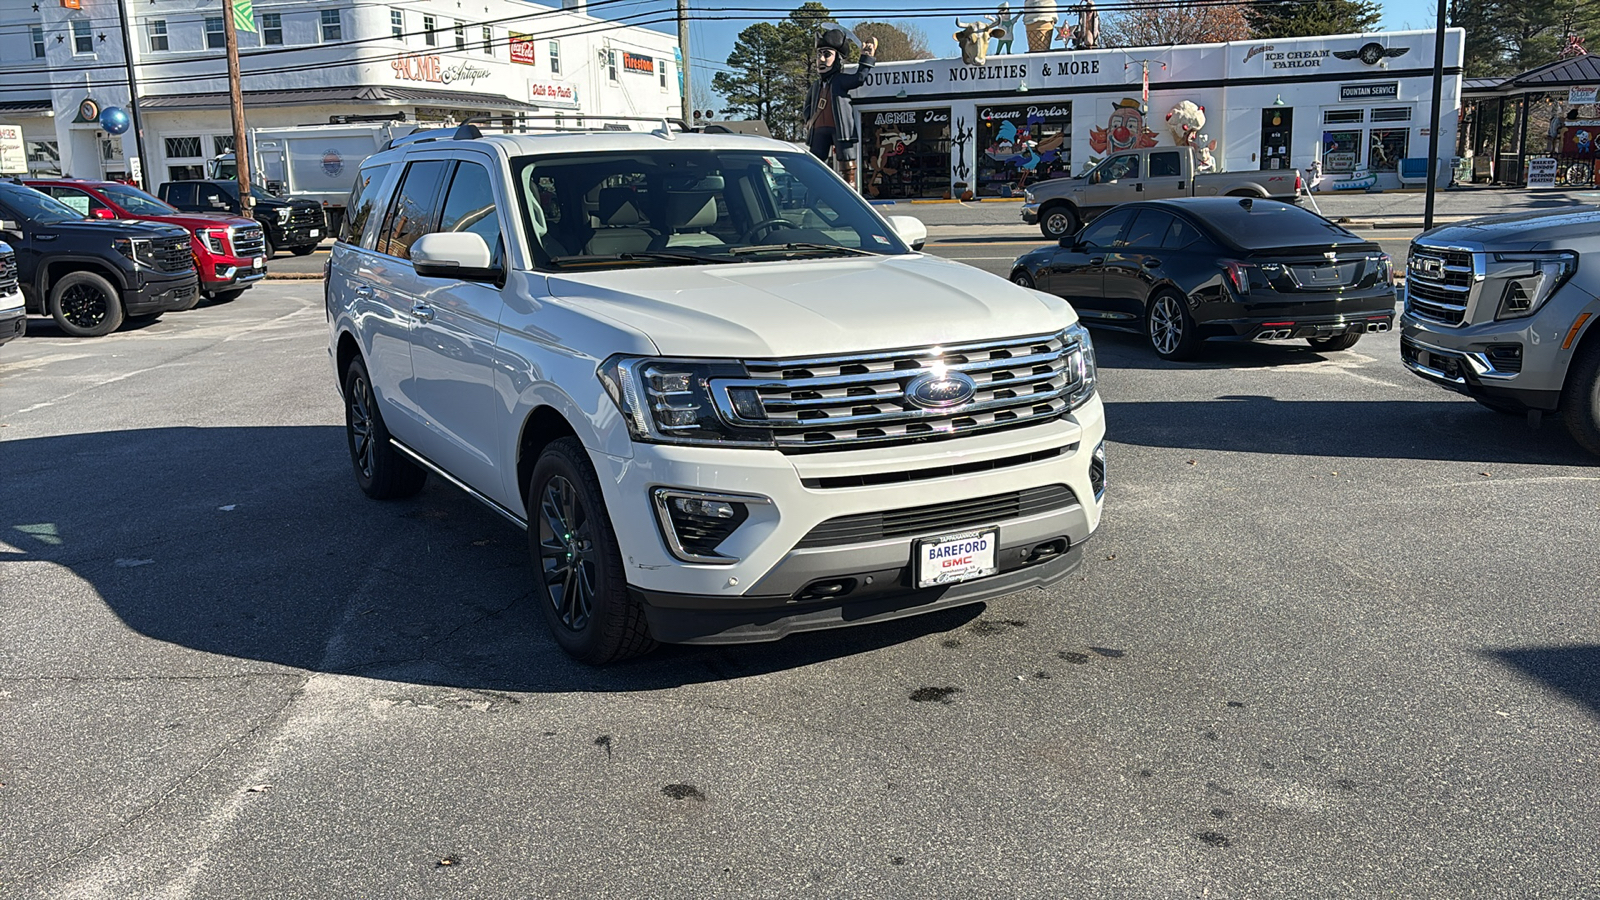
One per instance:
(1352, 104)
(307, 62)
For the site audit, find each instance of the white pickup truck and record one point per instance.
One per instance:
(1060, 206)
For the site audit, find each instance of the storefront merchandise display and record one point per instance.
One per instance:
(1018, 145)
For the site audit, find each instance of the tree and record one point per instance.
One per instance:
(1156, 26)
(896, 41)
(1504, 38)
(1296, 18)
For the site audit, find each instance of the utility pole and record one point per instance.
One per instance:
(133, 96)
(688, 68)
(1433, 120)
(241, 153)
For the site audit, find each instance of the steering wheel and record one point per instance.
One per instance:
(769, 224)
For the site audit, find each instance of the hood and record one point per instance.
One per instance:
(121, 228)
(814, 307)
(1521, 230)
(197, 221)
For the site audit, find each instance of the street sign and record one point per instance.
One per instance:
(1584, 96)
(1542, 172)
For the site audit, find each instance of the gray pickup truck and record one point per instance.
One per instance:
(1060, 206)
(1501, 310)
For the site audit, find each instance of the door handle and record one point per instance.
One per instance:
(364, 291)
(1139, 187)
(1180, 185)
(1152, 263)
(45, 237)
(422, 312)
(1097, 260)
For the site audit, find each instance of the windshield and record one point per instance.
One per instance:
(675, 207)
(136, 201)
(37, 207)
(232, 189)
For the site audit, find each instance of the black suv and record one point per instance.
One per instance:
(293, 225)
(91, 274)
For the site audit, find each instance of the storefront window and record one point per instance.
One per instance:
(1387, 148)
(1277, 136)
(905, 153)
(44, 158)
(1341, 151)
(1018, 145)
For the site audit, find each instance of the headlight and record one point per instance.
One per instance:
(1080, 365)
(1530, 279)
(669, 401)
(136, 249)
(283, 216)
(216, 240)
(1027, 196)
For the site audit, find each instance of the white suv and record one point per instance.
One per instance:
(723, 395)
(13, 317)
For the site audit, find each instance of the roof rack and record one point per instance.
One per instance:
(666, 127)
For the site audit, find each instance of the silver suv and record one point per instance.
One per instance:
(726, 399)
(1503, 310)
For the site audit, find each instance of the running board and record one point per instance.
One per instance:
(426, 463)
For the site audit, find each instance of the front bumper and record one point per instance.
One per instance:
(1517, 361)
(298, 236)
(224, 273)
(13, 320)
(777, 557)
(1030, 213)
(158, 295)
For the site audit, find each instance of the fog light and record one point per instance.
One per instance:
(694, 524)
(1097, 471)
(701, 508)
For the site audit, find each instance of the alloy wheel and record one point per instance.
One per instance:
(1166, 325)
(567, 553)
(361, 406)
(84, 306)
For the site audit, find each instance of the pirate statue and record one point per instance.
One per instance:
(830, 123)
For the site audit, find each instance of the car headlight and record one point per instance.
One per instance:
(136, 249)
(1530, 279)
(1080, 365)
(216, 240)
(669, 401)
(1027, 196)
(283, 216)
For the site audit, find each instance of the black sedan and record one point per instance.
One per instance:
(1219, 268)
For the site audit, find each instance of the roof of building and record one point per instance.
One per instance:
(1481, 85)
(43, 104)
(351, 94)
(1578, 71)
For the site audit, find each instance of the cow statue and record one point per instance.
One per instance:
(973, 39)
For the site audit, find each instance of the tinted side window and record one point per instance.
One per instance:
(362, 199)
(1149, 227)
(1104, 232)
(1165, 165)
(469, 206)
(1120, 167)
(412, 214)
(1180, 235)
(180, 194)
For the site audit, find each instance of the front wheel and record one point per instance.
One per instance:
(1170, 328)
(382, 472)
(1580, 400)
(307, 250)
(266, 247)
(1337, 342)
(1057, 222)
(579, 581)
(1022, 277)
(85, 305)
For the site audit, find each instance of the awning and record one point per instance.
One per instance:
(391, 96)
(26, 106)
(1579, 71)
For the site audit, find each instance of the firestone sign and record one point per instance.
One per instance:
(644, 65)
(417, 67)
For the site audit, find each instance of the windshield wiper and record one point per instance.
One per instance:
(799, 247)
(638, 256)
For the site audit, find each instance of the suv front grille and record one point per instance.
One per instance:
(8, 272)
(1441, 283)
(929, 521)
(305, 216)
(249, 241)
(173, 254)
(838, 402)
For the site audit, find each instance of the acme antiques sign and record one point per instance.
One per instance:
(416, 67)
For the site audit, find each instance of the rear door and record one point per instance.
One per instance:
(454, 335)
(1165, 176)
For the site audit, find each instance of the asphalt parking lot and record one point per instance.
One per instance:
(1336, 637)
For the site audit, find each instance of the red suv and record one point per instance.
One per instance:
(229, 251)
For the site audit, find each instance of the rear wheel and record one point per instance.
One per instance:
(85, 305)
(1056, 222)
(1337, 342)
(266, 247)
(1580, 400)
(307, 250)
(382, 472)
(579, 580)
(1170, 328)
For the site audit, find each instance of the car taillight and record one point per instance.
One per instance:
(1299, 183)
(1239, 275)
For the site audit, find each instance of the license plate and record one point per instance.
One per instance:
(316, 233)
(953, 558)
(258, 262)
(1325, 275)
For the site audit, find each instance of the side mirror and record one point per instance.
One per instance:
(911, 230)
(1070, 242)
(102, 213)
(454, 254)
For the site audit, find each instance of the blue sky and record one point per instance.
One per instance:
(710, 42)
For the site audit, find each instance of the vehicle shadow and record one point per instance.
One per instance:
(1573, 671)
(1448, 429)
(254, 544)
(46, 327)
(1129, 350)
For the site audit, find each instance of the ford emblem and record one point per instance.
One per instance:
(940, 390)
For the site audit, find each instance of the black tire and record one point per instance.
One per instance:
(1022, 277)
(1502, 407)
(227, 296)
(580, 585)
(382, 472)
(1056, 222)
(304, 251)
(1580, 400)
(1337, 342)
(85, 305)
(1169, 327)
(267, 250)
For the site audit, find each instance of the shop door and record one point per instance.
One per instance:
(1277, 136)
